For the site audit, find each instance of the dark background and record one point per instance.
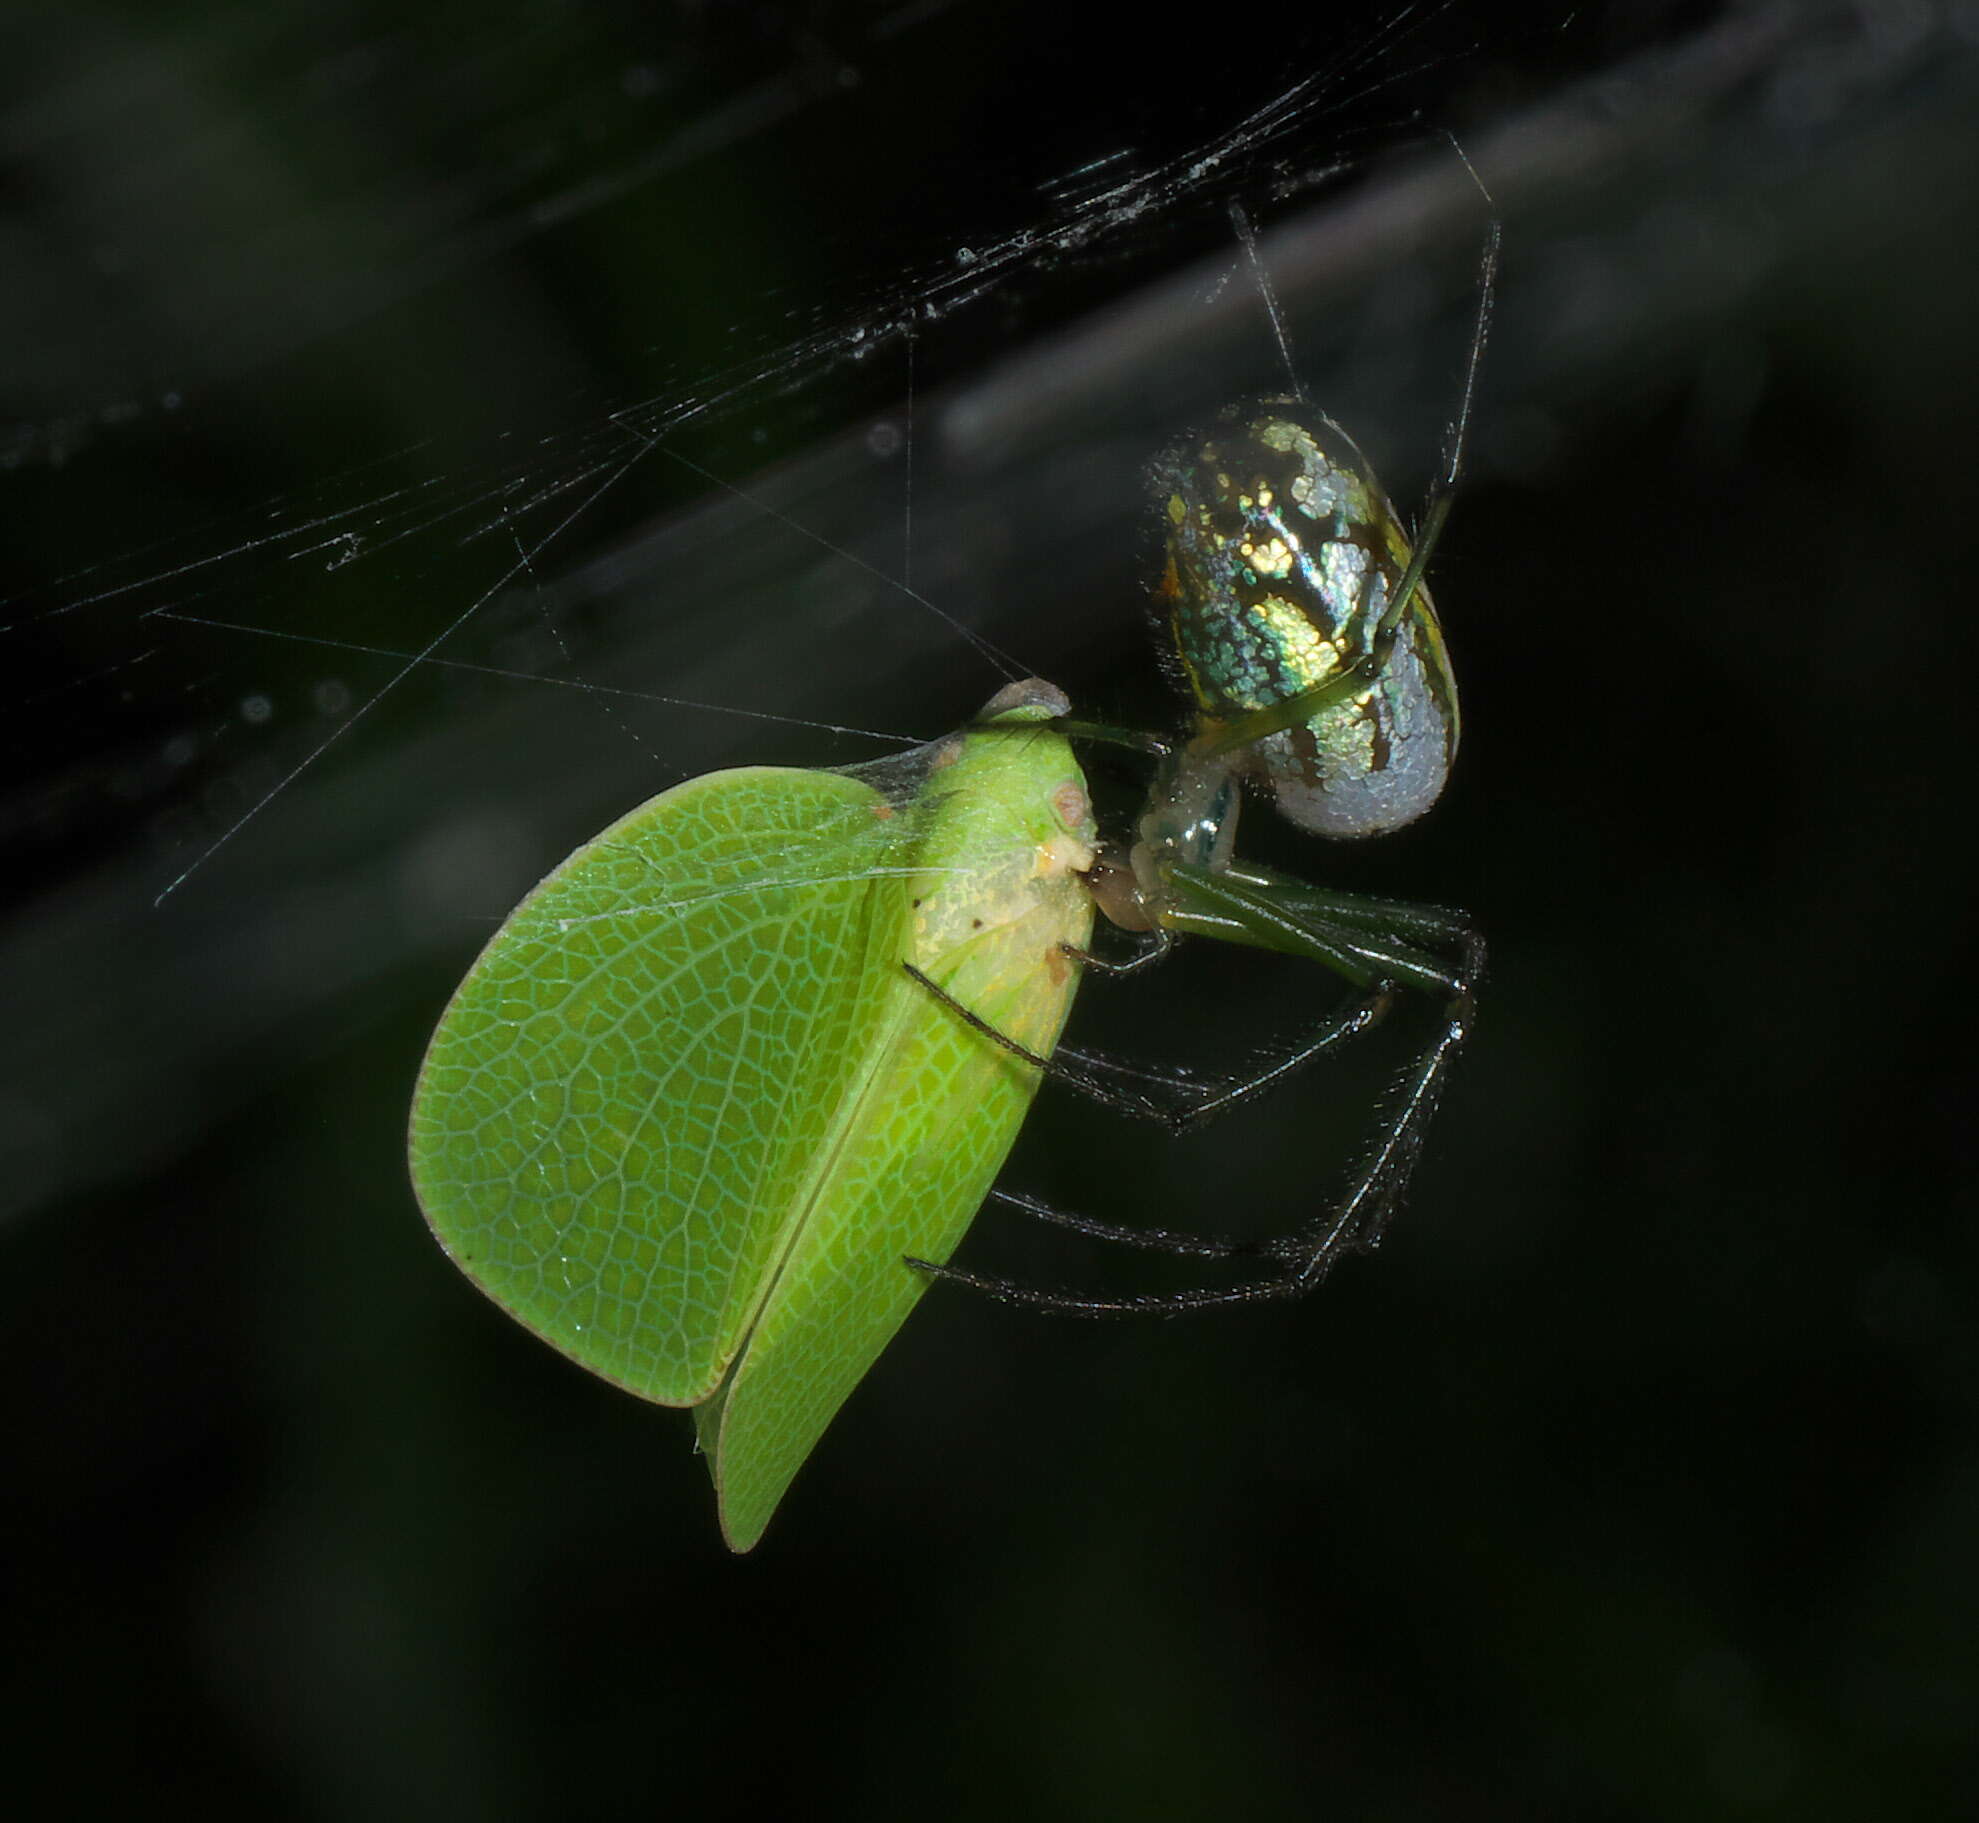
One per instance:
(1634, 1477)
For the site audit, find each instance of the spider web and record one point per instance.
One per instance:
(493, 549)
(434, 429)
(444, 432)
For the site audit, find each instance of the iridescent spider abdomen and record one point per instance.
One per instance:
(1282, 555)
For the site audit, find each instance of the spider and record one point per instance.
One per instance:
(1292, 609)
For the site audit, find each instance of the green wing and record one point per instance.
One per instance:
(687, 1114)
(624, 1113)
(935, 1107)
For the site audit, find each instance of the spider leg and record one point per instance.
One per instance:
(1135, 1106)
(1357, 1220)
(1350, 1021)
(1159, 942)
(1076, 1304)
(1301, 1259)
(1156, 1240)
(1342, 1023)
